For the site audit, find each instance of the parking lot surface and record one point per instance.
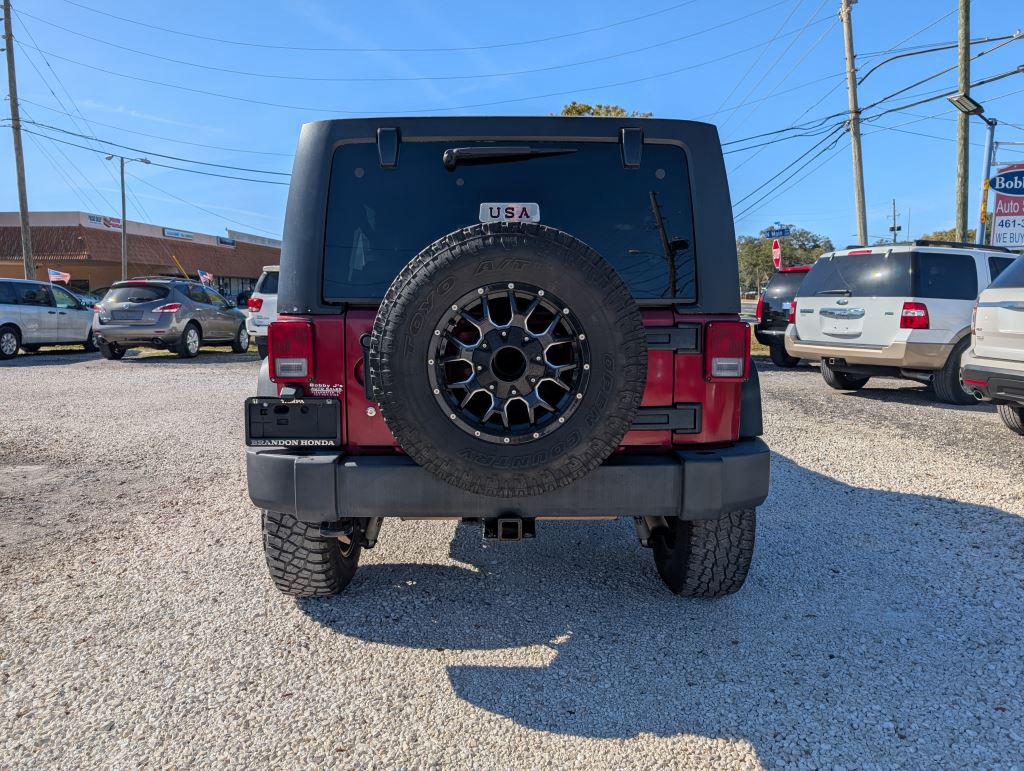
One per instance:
(880, 626)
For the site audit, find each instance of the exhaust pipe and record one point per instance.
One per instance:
(977, 395)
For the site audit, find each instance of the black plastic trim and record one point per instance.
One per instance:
(691, 484)
(1003, 385)
(632, 140)
(387, 147)
(751, 420)
(681, 419)
(682, 338)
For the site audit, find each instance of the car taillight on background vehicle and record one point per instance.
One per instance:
(760, 308)
(169, 308)
(726, 350)
(255, 304)
(914, 316)
(290, 350)
(792, 312)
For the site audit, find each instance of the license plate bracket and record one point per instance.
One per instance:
(306, 423)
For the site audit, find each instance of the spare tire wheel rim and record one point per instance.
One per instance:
(509, 363)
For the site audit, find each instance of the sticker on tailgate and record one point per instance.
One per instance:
(509, 212)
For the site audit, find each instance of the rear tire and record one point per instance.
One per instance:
(10, 341)
(90, 343)
(301, 563)
(112, 351)
(261, 346)
(1013, 417)
(706, 557)
(780, 358)
(241, 342)
(840, 380)
(946, 382)
(187, 346)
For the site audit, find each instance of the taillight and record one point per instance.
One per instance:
(760, 308)
(792, 312)
(255, 303)
(169, 308)
(290, 350)
(726, 350)
(914, 316)
(974, 319)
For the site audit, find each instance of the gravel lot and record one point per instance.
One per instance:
(880, 626)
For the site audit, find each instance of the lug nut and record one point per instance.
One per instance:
(533, 380)
(565, 310)
(579, 396)
(583, 337)
(513, 392)
(507, 440)
(536, 435)
(476, 433)
(511, 286)
(430, 362)
(452, 416)
(455, 307)
(491, 387)
(479, 367)
(561, 420)
(437, 391)
(479, 291)
(504, 334)
(437, 332)
(484, 346)
(540, 293)
(538, 359)
(586, 366)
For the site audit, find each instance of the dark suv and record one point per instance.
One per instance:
(773, 308)
(508, 320)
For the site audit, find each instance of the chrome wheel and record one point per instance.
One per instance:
(509, 363)
(192, 341)
(243, 339)
(8, 343)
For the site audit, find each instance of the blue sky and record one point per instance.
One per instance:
(751, 66)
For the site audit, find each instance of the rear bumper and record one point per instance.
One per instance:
(770, 336)
(901, 354)
(139, 334)
(688, 484)
(994, 383)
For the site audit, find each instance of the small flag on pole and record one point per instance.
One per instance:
(206, 278)
(56, 275)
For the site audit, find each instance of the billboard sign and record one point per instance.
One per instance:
(1008, 209)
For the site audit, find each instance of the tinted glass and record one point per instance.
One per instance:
(142, 293)
(1012, 277)
(64, 299)
(378, 219)
(784, 285)
(879, 274)
(945, 276)
(34, 294)
(7, 294)
(197, 294)
(268, 284)
(997, 265)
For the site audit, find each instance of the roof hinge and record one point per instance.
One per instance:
(632, 142)
(387, 147)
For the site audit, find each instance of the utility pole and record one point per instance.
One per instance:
(990, 137)
(963, 125)
(19, 155)
(845, 13)
(124, 229)
(895, 228)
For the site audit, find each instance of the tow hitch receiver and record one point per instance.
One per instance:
(509, 529)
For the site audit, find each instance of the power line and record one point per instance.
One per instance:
(389, 78)
(200, 208)
(350, 49)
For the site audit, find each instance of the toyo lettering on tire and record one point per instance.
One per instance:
(508, 359)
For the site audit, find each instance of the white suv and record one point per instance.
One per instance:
(893, 311)
(993, 368)
(263, 307)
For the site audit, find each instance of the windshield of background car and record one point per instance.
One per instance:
(268, 283)
(785, 284)
(640, 220)
(141, 293)
(1011, 277)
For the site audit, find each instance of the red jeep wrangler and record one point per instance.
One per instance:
(508, 320)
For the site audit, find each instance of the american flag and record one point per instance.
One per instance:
(206, 278)
(56, 275)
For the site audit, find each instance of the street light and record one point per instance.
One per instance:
(969, 106)
(124, 215)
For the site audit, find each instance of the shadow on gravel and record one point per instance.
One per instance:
(917, 396)
(205, 356)
(875, 628)
(48, 359)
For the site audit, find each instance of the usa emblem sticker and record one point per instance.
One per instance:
(509, 212)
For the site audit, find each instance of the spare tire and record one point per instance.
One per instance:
(508, 359)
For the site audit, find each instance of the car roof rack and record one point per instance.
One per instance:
(160, 277)
(932, 242)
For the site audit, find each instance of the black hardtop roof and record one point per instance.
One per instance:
(302, 251)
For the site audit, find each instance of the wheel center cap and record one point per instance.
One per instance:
(508, 364)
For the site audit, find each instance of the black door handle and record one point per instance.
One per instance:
(61, 313)
(52, 313)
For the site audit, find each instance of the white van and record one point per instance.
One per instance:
(894, 311)
(993, 367)
(36, 313)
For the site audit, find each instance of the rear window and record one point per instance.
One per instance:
(141, 293)
(1012, 277)
(996, 265)
(879, 274)
(378, 219)
(785, 284)
(268, 283)
(935, 275)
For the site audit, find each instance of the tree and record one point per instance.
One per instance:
(800, 247)
(948, 235)
(580, 109)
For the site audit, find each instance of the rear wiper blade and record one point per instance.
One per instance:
(846, 292)
(453, 156)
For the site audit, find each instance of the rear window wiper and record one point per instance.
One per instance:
(453, 156)
(846, 292)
